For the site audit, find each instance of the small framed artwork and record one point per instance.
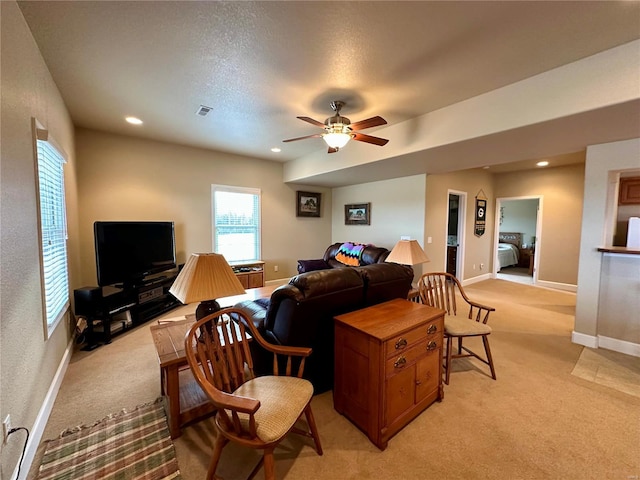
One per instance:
(308, 204)
(357, 214)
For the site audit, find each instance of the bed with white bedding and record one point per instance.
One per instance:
(509, 249)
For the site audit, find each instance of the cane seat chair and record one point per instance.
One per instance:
(438, 289)
(255, 412)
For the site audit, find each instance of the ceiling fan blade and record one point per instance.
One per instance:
(361, 137)
(368, 123)
(332, 150)
(302, 138)
(312, 121)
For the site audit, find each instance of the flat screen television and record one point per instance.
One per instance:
(126, 252)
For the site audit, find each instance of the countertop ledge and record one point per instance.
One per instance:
(625, 250)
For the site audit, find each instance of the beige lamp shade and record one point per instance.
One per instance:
(205, 276)
(407, 252)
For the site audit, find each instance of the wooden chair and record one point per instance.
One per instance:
(438, 289)
(256, 412)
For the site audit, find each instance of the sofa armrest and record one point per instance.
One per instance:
(289, 353)
(312, 265)
(253, 312)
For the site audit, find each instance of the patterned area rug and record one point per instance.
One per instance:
(123, 446)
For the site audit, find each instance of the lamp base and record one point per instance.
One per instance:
(207, 307)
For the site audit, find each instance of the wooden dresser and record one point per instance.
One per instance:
(388, 366)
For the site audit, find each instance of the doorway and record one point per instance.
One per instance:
(456, 213)
(518, 239)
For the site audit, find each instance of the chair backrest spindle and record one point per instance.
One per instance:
(438, 291)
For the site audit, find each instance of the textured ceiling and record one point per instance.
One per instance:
(261, 64)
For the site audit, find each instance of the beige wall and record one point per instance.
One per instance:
(28, 362)
(126, 178)
(476, 250)
(397, 209)
(561, 190)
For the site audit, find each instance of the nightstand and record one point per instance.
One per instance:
(527, 256)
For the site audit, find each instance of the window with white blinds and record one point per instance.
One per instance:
(236, 222)
(53, 230)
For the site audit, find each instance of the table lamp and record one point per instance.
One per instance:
(407, 252)
(205, 277)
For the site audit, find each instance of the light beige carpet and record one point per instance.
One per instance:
(611, 369)
(537, 421)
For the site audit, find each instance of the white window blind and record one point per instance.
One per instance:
(236, 222)
(53, 231)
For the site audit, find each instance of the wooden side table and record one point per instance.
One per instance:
(526, 259)
(185, 400)
(388, 366)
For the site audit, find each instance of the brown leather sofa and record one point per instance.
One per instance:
(301, 312)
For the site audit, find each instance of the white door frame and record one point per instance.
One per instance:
(462, 216)
(539, 241)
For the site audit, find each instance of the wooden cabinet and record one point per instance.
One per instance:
(629, 191)
(250, 274)
(452, 259)
(526, 259)
(388, 366)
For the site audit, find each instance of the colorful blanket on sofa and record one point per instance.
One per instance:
(350, 253)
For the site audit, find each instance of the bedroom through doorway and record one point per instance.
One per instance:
(518, 234)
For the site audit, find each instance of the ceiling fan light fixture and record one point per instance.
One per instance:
(337, 136)
(336, 140)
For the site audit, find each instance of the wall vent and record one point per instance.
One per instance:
(203, 110)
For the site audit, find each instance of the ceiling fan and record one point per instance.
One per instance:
(338, 130)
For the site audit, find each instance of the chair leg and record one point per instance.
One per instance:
(221, 442)
(485, 341)
(459, 345)
(312, 426)
(269, 465)
(448, 367)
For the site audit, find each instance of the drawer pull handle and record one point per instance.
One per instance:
(401, 343)
(432, 345)
(432, 329)
(400, 362)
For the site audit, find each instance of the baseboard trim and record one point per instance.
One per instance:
(557, 286)
(620, 346)
(479, 278)
(35, 435)
(600, 341)
(280, 281)
(584, 339)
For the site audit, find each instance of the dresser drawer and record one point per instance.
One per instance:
(406, 358)
(408, 340)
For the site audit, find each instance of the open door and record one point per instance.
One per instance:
(518, 239)
(455, 233)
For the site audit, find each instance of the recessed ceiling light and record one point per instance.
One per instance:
(544, 163)
(134, 120)
(276, 150)
(486, 167)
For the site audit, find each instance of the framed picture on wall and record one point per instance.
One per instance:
(308, 204)
(357, 214)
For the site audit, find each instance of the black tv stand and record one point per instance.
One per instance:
(113, 309)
